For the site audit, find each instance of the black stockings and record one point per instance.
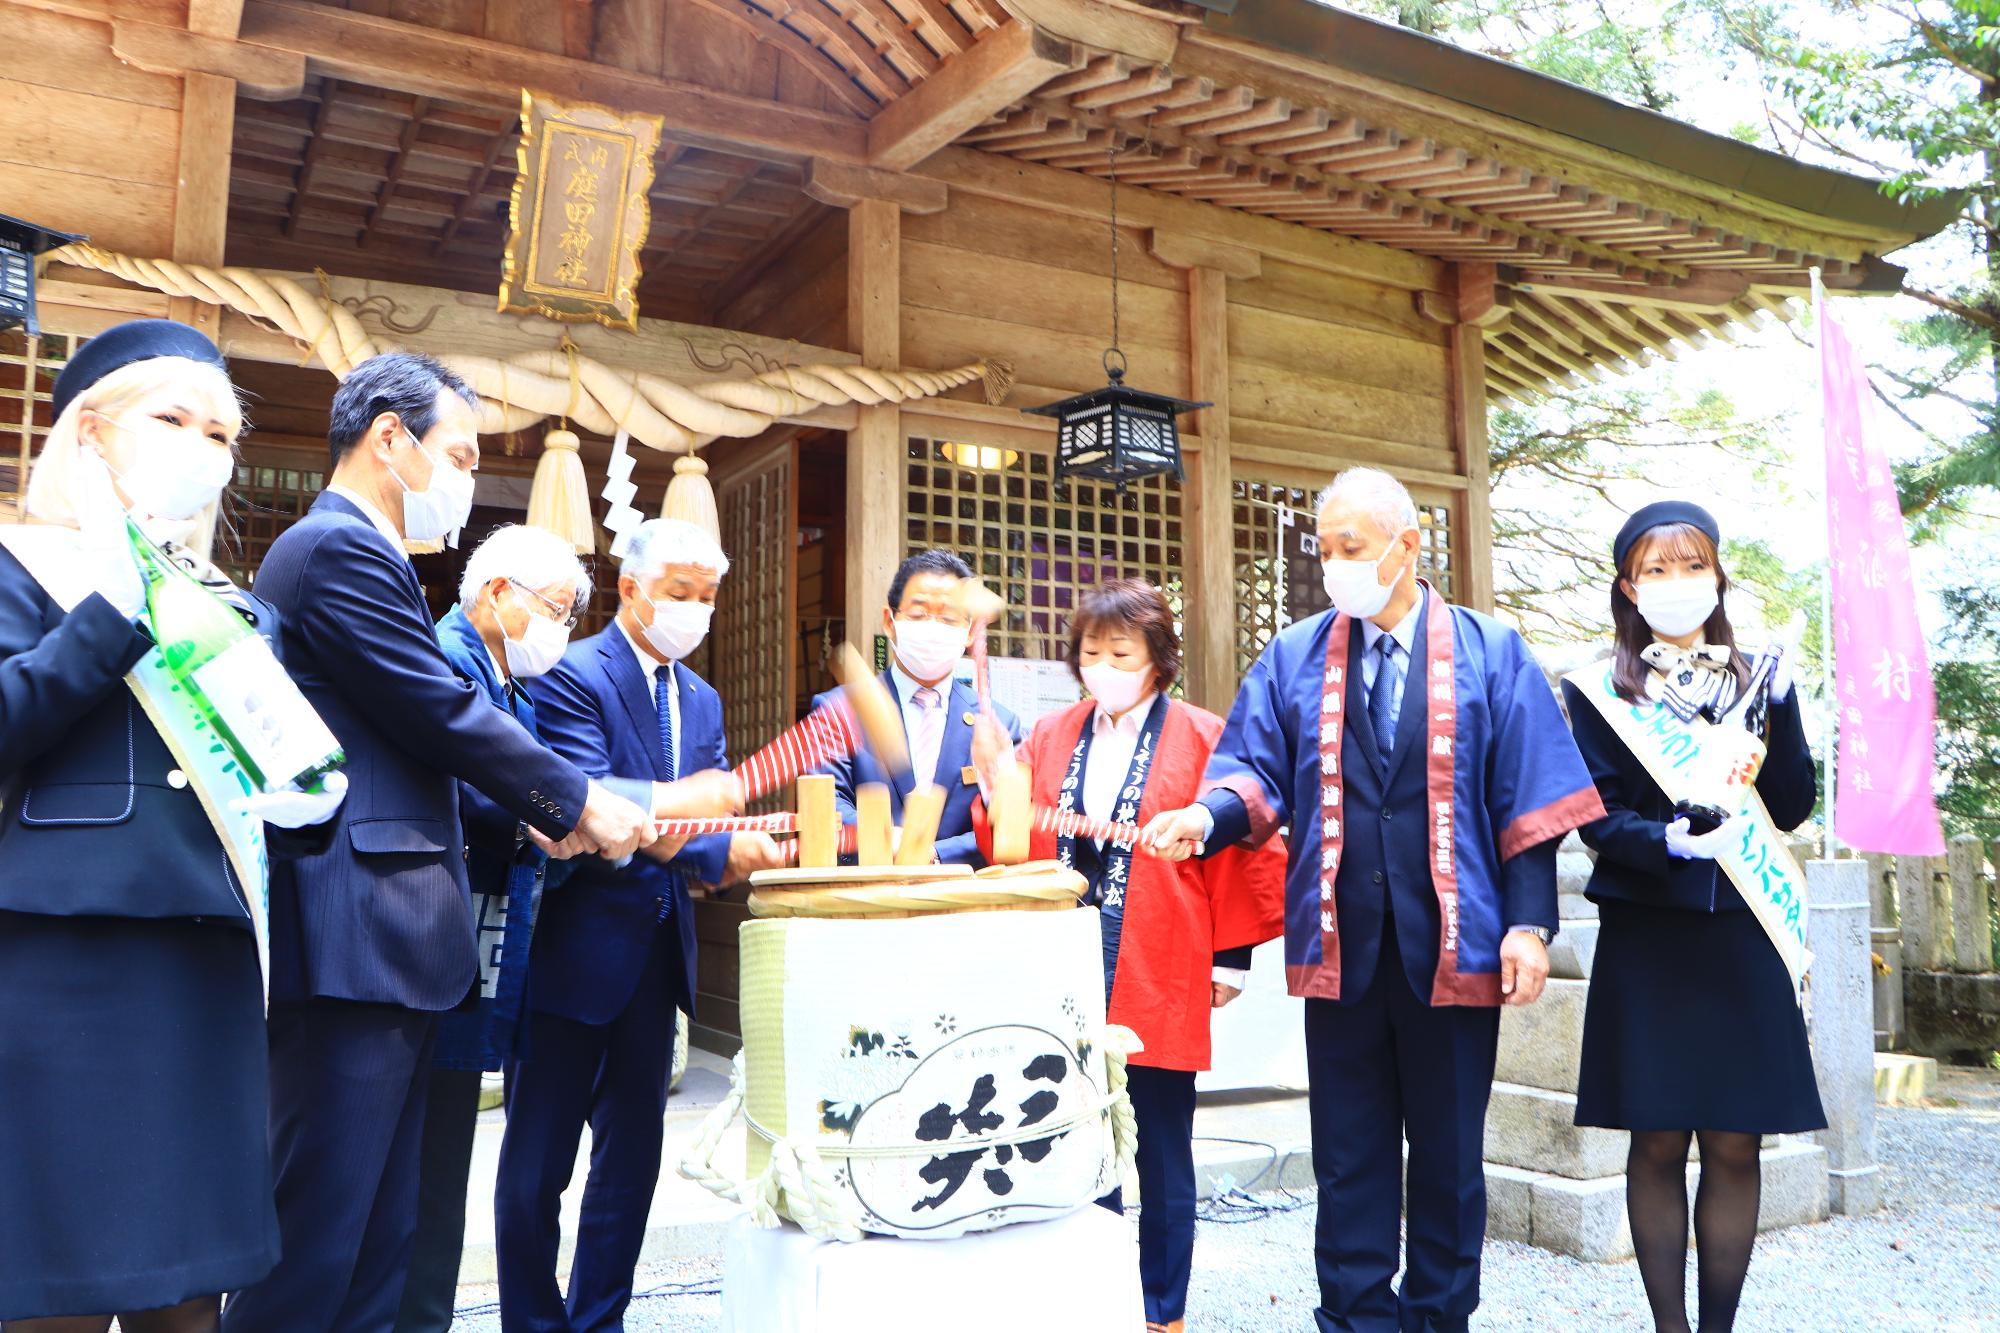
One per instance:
(1725, 1222)
(200, 1315)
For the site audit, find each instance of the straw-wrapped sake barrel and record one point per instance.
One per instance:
(920, 1059)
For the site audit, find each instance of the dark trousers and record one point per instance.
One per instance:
(1163, 1101)
(348, 1086)
(1385, 1068)
(612, 1076)
(451, 1118)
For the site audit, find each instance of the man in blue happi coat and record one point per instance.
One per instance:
(1417, 755)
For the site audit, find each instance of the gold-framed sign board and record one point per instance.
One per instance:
(579, 213)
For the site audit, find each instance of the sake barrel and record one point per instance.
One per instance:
(930, 1075)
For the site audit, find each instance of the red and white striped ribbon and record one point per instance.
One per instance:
(825, 734)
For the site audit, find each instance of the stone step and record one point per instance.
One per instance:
(1585, 1219)
(1575, 907)
(1535, 1130)
(1573, 950)
(1541, 1044)
(1903, 1080)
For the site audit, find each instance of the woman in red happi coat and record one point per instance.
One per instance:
(1177, 935)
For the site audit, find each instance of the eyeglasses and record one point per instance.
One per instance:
(568, 621)
(950, 619)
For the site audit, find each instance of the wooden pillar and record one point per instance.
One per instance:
(208, 132)
(875, 445)
(201, 202)
(1207, 505)
(875, 202)
(1478, 307)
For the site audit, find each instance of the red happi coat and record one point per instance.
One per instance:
(1177, 914)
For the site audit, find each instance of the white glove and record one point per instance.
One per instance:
(1707, 846)
(292, 808)
(1781, 675)
(105, 552)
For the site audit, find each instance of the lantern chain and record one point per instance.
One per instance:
(1111, 169)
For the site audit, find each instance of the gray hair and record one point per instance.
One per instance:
(660, 542)
(1381, 495)
(534, 558)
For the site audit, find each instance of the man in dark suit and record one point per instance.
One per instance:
(372, 938)
(613, 956)
(928, 635)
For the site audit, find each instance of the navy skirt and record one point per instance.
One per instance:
(135, 1170)
(1691, 1025)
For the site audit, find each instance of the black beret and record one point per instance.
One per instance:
(139, 340)
(1658, 515)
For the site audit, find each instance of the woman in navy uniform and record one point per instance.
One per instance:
(1692, 1030)
(135, 1176)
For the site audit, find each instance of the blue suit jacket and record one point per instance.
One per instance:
(955, 839)
(384, 914)
(597, 926)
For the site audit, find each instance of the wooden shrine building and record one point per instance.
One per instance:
(1349, 238)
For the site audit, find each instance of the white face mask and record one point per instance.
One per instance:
(173, 475)
(1356, 586)
(1115, 688)
(1676, 607)
(929, 649)
(442, 507)
(539, 648)
(678, 627)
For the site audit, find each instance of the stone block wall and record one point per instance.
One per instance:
(1560, 1187)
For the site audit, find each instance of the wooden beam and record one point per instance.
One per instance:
(875, 446)
(1149, 39)
(215, 18)
(844, 185)
(1076, 195)
(407, 57)
(999, 70)
(1207, 506)
(1703, 291)
(272, 75)
(805, 54)
(1200, 252)
(630, 35)
(201, 204)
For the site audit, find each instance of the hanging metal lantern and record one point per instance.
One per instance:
(20, 242)
(1117, 433)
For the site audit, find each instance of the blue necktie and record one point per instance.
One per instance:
(663, 700)
(1382, 699)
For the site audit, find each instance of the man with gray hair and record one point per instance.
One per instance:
(613, 956)
(1416, 753)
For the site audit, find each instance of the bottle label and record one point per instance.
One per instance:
(267, 715)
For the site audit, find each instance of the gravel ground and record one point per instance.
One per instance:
(1930, 1261)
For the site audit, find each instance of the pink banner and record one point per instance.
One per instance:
(1888, 715)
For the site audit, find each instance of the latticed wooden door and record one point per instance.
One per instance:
(1040, 544)
(1268, 593)
(751, 642)
(28, 370)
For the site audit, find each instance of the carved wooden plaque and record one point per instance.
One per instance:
(580, 213)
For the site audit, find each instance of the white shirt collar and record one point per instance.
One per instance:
(1405, 632)
(1128, 725)
(649, 665)
(374, 515)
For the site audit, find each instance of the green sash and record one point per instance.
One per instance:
(48, 553)
(1701, 762)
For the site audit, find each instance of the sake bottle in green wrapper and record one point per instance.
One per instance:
(232, 677)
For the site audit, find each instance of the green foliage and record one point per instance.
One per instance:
(1968, 731)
